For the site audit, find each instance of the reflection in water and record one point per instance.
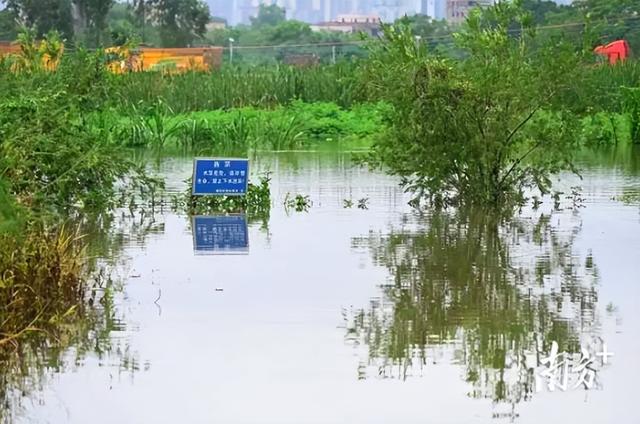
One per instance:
(93, 327)
(624, 157)
(220, 234)
(484, 295)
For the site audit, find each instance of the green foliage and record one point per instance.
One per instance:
(437, 35)
(51, 156)
(123, 25)
(47, 306)
(150, 128)
(93, 16)
(8, 30)
(181, 22)
(256, 43)
(632, 108)
(43, 15)
(483, 129)
(269, 15)
(256, 203)
(603, 129)
(282, 128)
(9, 219)
(298, 203)
(48, 263)
(233, 87)
(37, 55)
(613, 19)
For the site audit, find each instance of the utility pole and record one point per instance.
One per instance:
(333, 54)
(231, 41)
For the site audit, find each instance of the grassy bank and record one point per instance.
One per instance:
(293, 126)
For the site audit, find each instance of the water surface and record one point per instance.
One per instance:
(363, 315)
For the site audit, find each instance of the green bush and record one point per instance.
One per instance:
(484, 129)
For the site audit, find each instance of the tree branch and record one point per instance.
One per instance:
(518, 161)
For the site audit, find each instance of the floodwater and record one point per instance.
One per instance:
(364, 311)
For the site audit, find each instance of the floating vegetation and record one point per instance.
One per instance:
(576, 197)
(299, 202)
(256, 203)
(629, 198)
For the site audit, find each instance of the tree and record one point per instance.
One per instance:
(614, 19)
(290, 32)
(269, 16)
(540, 9)
(93, 16)
(180, 21)
(480, 130)
(8, 30)
(43, 15)
(436, 34)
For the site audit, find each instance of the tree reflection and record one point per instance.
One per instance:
(491, 296)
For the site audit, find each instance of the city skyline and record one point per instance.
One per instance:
(314, 11)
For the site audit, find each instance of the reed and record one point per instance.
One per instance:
(238, 87)
(42, 280)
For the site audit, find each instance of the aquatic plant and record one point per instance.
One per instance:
(299, 202)
(282, 128)
(256, 203)
(51, 301)
(266, 86)
(42, 279)
(632, 108)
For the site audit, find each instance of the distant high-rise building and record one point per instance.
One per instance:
(429, 8)
(390, 10)
(436, 9)
(314, 11)
(441, 9)
(458, 10)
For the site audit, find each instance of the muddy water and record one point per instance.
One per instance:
(376, 314)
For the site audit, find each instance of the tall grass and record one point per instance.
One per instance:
(281, 128)
(238, 87)
(47, 306)
(603, 88)
(42, 279)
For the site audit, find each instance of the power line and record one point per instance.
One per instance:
(448, 37)
(430, 38)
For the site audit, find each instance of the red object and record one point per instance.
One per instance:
(616, 51)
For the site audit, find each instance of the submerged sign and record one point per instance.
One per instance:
(222, 234)
(220, 177)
